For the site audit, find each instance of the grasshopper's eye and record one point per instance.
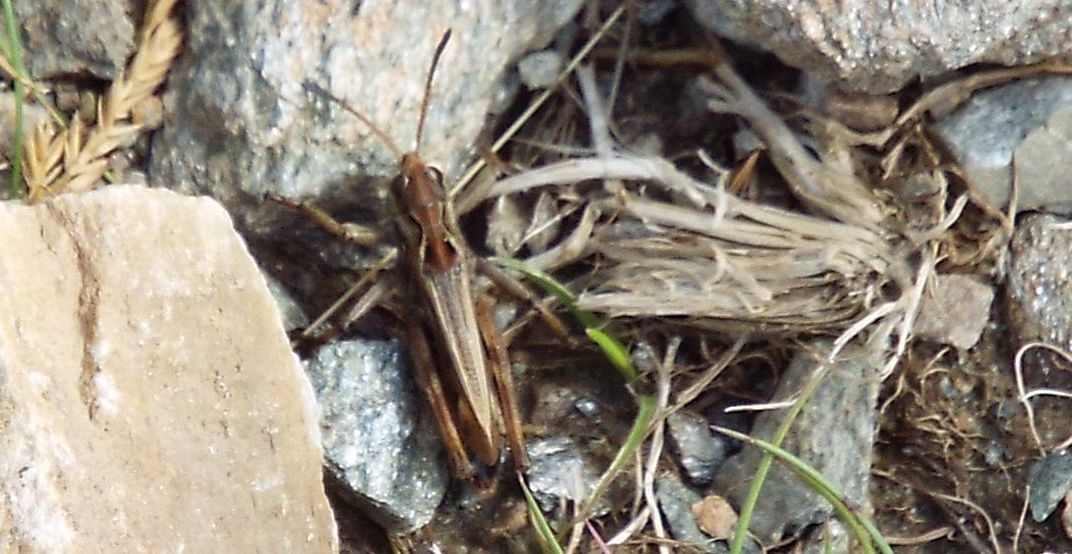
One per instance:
(437, 175)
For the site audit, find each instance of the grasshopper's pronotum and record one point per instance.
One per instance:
(466, 379)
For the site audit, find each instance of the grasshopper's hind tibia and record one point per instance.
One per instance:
(431, 386)
(499, 367)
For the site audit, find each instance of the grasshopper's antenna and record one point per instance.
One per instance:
(321, 91)
(428, 86)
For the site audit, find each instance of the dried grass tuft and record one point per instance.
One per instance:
(715, 259)
(655, 243)
(75, 159)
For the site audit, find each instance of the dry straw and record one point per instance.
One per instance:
(75, 159)
(661, 244)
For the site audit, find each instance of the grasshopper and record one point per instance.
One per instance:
(466, 378)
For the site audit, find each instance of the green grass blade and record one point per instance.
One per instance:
(6, 49)
(749, 506)
(865, 531)
(553, 287)
(13, 51)
(612, 348)
(543, 530)
(645, 412)
(618, 355)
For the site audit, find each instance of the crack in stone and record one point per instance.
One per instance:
(88, 320)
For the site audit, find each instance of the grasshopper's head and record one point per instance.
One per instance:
(419, 187)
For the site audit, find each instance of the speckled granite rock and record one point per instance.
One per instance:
(72, 37)
(149, 401)
(240, 123)
(380, 442)
(1039, 288)
(878, 47)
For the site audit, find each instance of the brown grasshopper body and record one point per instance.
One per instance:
(440, 270)
(466, 379)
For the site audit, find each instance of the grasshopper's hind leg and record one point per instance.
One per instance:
(432, 387)
(499, 367)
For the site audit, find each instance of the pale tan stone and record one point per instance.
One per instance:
(715, 517)
(148, 398)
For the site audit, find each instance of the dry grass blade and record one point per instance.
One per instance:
(84, 153)
(828, 185)
(44, 152)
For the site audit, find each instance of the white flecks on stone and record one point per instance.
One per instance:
(378, 441)
(107, 392)
(878, 47)
(39, 382)
(540, 69)
(98, 350)
(1039, 291)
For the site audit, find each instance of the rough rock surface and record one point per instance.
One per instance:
(955, 311)
(676, 502)
(75, 37)
(560, 472)
(878, 47)
(241, 123)
(1050, 480)
(380, 441)
(149, 401)
(698, 451)
(834, 434)
(1030, 119)
(1039, 281)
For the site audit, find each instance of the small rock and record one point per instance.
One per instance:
(1066, 515)
(75, 37)
(652, 12)
(32, 115)
(878, 47)
(293, 316)
(676, 502)
(380, 443)
(540, 69)
(1050, 479)
(954, 311)
(840, 448)
(715, 517)
(1031, 119)
(1039, 289)
(699, 452)
(148, 113)
(554, 403)
(831, 536)
(149, 400)
(861, 112)
(560, 471)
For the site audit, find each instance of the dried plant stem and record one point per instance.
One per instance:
(828, 185)
(456, 188)
(75, 159)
